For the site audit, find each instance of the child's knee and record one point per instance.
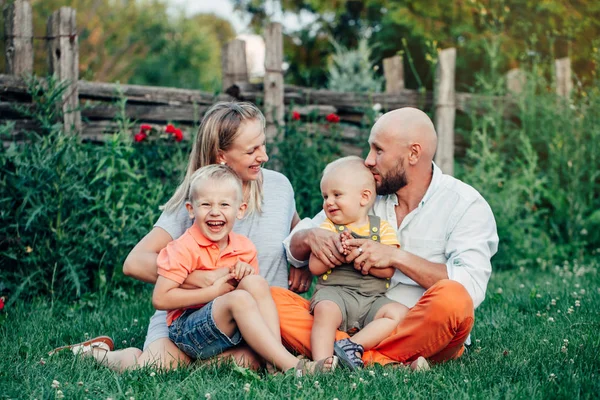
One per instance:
(254, 284)
(240, 300)
(327, 308)
(394, 311)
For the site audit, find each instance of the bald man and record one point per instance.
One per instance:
(447, 234)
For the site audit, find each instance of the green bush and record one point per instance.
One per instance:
(71, 211)
(536, 160)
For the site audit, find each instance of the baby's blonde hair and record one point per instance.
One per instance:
(356, 170)
(214, 172)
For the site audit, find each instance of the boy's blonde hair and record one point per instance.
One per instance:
(217, 172)
(219, 128)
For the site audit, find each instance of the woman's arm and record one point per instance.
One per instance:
(168, 295)
(141, 261)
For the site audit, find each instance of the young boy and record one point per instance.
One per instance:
(207, 321)
(344, 298)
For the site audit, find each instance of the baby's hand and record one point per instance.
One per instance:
(241, 269)
(223, 285)
(344, 237)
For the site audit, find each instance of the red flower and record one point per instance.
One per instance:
(170, 129)
(296, 116)
(140, 137)
(145, 128)
(178, 135)
(333, 118)
(1, 303)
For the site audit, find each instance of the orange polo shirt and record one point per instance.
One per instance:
(193, 251)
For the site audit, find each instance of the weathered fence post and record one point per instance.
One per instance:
(515, 81)
(233, 63)
(445, 110)
(63, 61)
(564, 83)
(273, 81)
(18, 38)
(393, 70)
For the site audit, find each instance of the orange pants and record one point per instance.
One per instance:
(435, 328)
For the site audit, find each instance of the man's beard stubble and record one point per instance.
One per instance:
(392, 181)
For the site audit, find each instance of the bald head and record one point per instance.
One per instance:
(409, 126)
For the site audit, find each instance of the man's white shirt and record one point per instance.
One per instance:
(452, 225)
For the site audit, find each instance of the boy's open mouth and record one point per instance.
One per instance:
(215, 226)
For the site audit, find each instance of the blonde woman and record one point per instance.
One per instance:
(231, 134)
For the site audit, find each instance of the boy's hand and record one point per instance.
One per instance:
(241, 269)
(222, 285)
(344, 237)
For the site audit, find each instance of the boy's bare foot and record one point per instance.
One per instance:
(305, 367)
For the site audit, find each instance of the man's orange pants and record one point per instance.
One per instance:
(435, 328)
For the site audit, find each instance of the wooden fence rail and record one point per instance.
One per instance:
(89, 108)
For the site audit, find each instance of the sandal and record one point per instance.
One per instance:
(349, 353)
(306, 367)
(102, 342)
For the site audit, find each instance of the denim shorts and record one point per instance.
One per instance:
(196, 334)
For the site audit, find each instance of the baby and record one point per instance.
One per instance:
(344, 298)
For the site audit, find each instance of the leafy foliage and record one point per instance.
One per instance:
(351, 70)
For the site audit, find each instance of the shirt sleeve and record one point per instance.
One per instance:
(388, 234)
(470, 247)
(306, 223)
(175, 261)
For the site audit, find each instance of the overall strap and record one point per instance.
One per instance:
(374, 228)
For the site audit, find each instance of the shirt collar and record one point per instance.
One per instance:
(232, 245)
(436, 179)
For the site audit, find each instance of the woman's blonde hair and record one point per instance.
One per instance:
(219, 128)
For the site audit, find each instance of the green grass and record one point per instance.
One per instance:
(516, 353)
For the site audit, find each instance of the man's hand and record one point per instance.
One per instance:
(367, 254)
(241, 269)
(326, 246)
(222, 285)
(300, 279)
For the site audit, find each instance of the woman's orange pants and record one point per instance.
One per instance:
(435, 328)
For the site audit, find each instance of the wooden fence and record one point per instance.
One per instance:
(89, 108)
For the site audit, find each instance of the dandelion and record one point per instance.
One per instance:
(361, 380)
(385, 374)
(247, 387)
(551, 377)
(28, 249)
(466, 381)
(538, 314)
(317, 385)
(582, 291)
(570, 310)
(553, 302)
(550, 319)
(563, 349)
(353, 386)
(86, 335)
(577, 285)
(125, 329)
(521, 286)
(135, 321)
(152, 373)
(207, 396)
(55, 384)
(124, 342)
(42, 361)
(499, 290)
(79, 383)
(372, 373)
(571, 361)
(132, 398)
(60, 394)
(538, 296)
(577, 303)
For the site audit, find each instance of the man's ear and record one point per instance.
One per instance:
(415, 153)
(242, 210)
(190, 209)
(365, 197)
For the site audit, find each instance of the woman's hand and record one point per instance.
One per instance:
(326, 246)
(299, 279)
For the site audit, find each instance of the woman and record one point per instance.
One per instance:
(232, 134)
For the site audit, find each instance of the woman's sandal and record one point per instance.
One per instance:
(349, 353)
(307, 367)
(100, 342)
